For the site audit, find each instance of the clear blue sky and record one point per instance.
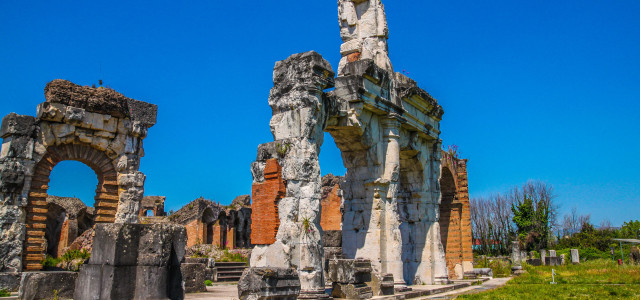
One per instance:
(544, 90)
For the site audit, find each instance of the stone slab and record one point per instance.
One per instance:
(194, 275)
(269, 283)
(46, 285)
(10, 281)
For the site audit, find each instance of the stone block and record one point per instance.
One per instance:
(350, 270)
(193, 275)
(382, 285)
(543, 256)
(552, 261)
(14, 124)
(17, 147)
(351, 291)
(634, 255)
(575, 256)
(534, 262)
(41, 285)
(483, 271)
(138, 244)
(269, 283)
(134, 261)
(10, 281)
(552, 253)
(332, 253)
(129, 282)
(332, 238)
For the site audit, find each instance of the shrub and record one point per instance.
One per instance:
(50, 262)
(208, 282)
(70, 260)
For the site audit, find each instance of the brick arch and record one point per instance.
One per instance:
(106, 199)
(450, 221)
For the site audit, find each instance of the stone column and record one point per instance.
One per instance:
(297, 103)
(391, 243)
(543, 256)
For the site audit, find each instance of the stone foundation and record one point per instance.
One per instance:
(47, 285)
(134, 261)
(269, 283)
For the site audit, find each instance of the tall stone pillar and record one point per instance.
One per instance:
(298, 104)
(392, 238)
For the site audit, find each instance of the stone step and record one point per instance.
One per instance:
(32, 266)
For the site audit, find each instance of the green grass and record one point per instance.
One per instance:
(595, 279)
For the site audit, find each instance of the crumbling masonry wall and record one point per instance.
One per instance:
(96, 126)
(455, 216)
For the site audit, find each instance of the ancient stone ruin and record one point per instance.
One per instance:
(387, 129)
(152, 206)
(208, 222)
(96, 126)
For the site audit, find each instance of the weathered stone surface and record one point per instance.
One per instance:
(483, 271)
(137, 244)
(14, 124)
(388, 132)
(516, 260)
(552, 253)
(634, 256)
(351, 291)
(534, 262)
(269, 283)
(363, 28)
(10, 281)
(134, 261)
(41, 285)
(332, 238)
(98, 127)
(552, 261)
(100, 100)
(382, 285)
(350, 270)
(543, 256)
(241, 201)
(575, 256)
(193, 275)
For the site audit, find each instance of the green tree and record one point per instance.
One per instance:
(629, 230)
(523, 217)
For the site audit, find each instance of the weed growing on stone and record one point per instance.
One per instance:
(208, 282)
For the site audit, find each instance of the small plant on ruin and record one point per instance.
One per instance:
(4, 293)
(282, 149)
(306, 224)
(452, 150)
(55, 294)
(208, 282)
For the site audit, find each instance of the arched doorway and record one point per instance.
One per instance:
(106, 198)
(207, 224)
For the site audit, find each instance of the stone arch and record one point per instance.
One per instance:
(106, 199)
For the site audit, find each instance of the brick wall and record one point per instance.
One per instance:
(265, 195)
(331, 218)
(455, 217)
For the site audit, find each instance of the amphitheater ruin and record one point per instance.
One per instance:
(398, 218)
